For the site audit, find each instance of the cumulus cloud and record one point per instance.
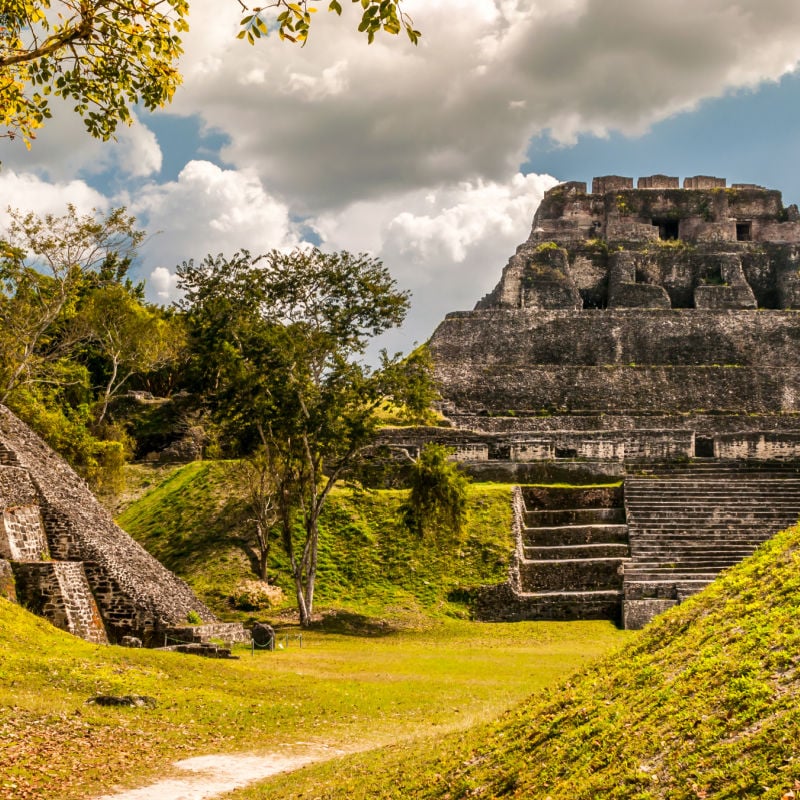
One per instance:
(63, 150)
(448, 246)
(27, 192)
(339, 121)
(162, 284)
(207, 210)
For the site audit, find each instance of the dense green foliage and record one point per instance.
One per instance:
(105, 55)
(437, 501)
(195, 522)
(75, 332)
(701, 704)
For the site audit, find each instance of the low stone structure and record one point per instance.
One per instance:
(63, 556)
(635, 329)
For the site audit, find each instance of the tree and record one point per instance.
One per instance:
(130, 338)
(294, 19)
(438, 498)
(107, 55)
(279, 338)
(45, 264)
(258, 476)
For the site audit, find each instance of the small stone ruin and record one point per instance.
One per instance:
(646, 337)
(63, 557)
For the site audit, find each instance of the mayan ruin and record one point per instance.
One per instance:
(647, 336)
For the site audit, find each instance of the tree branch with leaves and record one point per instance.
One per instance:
(108, 56)
(294, 19)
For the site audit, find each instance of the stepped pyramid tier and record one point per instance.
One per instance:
(63, 556)
(635, 329)
(656, 301)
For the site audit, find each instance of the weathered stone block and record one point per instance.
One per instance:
(637, 613)
(704, 182)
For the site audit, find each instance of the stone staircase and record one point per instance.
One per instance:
(687, 523)
(56, 590)
(571, 546)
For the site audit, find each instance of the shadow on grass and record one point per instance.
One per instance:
(349, 623)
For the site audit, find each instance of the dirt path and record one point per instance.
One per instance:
(213, 775)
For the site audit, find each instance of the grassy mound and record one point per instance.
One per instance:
(701, 704)
(194, 521)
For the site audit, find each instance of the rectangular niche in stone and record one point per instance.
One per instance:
(22, 536)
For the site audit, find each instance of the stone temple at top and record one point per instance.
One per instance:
(647, 338)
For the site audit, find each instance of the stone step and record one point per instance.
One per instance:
(751, 496)
(574, 516)
(699, 546)
(673, 575)
(574, 535)
(588, 595)
(581, 551)
(711, 511)
(571, 574)
(676, 553)
(685, 565)
(559, 605)
(545, 498)
(641, 527)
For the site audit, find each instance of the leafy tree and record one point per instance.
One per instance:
(45, 265)
(278, 341)
(53, 271)
(257, 474)
(438, 498)
(130, 338)
(107, 55)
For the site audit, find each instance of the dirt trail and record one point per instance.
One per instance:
(213, 775)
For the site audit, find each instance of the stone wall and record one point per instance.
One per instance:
(22, 536)
(59, 591)
(493, 362)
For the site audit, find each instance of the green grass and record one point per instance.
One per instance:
(369, 561)
(343, 691)
(701, 704)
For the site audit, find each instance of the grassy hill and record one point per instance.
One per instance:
(701, 704)
(193, 520)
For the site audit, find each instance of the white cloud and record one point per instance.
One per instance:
(137, 151)
(207, 210)
(27, 192)
(162, 283)
(447, 246)
(338, 120)
(63, 149)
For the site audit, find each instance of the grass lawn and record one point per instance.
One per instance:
(339, 690)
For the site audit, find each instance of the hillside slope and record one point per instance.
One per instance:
(701, 704)
(194, 519)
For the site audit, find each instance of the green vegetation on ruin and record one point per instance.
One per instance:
(192, 521)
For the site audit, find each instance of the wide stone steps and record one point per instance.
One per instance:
(575, 516)
(574, 545)
(581, 574)
(574, 535)
(573, 552)
(687, 524)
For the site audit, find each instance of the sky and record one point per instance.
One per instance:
(431, 158)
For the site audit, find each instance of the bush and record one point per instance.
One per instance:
(438, 498)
